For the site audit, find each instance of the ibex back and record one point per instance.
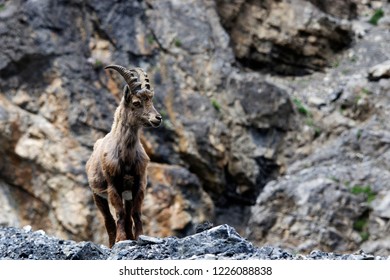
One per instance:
(116, 169)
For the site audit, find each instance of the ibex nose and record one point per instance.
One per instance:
(159, 117)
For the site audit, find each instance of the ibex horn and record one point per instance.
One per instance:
(144, 80)
(128, 75)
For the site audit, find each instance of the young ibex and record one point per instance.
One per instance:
(116, 169)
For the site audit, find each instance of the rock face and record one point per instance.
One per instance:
(56, 101)
(335, 193)
(221, 242)
(238, 145)
(288, 37)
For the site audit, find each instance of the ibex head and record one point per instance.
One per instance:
(138, 97)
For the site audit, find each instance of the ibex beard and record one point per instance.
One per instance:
(116, 169)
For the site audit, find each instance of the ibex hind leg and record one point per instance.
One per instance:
(102, 205)
(116, 202)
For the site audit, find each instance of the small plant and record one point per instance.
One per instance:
(365, 91)
(335, 64)
(364, 190)
(216, 104)
(150, 39)
(361, 226)
(2, 7)
(316, 128)
(359, 134)
(378, 14)
(353, 58)
(177, 43)
(164, 114)
(301, 108)
(364, 235)
(334, 179)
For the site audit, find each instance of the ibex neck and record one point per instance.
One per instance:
(127, 135)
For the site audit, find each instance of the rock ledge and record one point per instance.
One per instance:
(221, 242)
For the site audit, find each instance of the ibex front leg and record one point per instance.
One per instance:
(116, 202)
(138, 197)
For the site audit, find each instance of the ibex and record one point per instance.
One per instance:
(116, 169)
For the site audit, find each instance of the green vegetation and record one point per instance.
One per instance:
(177, 43)
(164, 114)
(216, 104)
(301, 108)
(334, 179)
(361, 226)
(378, 14)
(364, 190)
(358, 134)
(150, 39)
(2, 7)
(366, 91)
(316, 128)
(304, 111)
(353, 58)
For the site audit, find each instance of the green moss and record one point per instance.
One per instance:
(164, 114)
(359, 134)
(301, 108)
(216, 104)
(354, 58)
(366, 91)
(360, 225)
(364, 190)
(334, 179)
(378, 14)
(177, 43)
(316, 128)
(150, 39)
(364, 235)
(2, 7)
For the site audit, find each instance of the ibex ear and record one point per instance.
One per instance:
(127, 94)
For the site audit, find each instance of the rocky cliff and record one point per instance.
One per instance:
(275, 120)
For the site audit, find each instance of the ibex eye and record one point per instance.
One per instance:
(137, 104)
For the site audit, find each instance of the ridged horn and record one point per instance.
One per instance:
(128, 75)
(143, 78)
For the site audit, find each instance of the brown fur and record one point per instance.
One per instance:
(118, 164)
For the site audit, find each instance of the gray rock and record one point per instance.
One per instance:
(289, 37)
(379, 71)
(57, 101)
(228, 129)
(221, 242)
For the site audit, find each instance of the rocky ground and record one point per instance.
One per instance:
(275, 116)
(217, 243)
